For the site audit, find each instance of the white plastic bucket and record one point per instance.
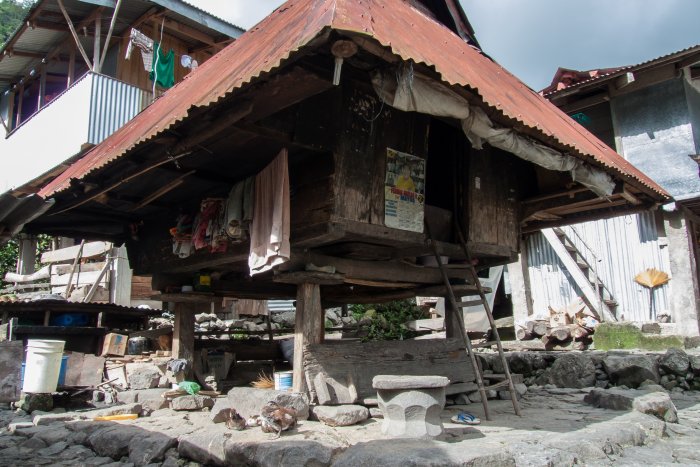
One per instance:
(283, 380)
(42, 366)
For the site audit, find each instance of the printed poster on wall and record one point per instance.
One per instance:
(404, 191)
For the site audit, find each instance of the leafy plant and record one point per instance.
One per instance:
(387, 321)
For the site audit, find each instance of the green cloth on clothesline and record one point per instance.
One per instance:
(165, 66)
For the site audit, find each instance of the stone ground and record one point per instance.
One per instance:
(557, 428)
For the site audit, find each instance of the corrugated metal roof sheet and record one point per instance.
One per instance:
(15, 212)
(393, 23)
(664, 58)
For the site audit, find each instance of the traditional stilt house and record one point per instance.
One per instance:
(355, 124)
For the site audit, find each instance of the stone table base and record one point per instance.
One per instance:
(411, 404)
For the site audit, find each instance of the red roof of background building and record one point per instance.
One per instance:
(395, 24)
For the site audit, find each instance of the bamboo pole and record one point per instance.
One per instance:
(75, 34)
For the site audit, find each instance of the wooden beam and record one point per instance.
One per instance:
(189, 32)
(307, 329)
(375, 270)
(75, 34)
(162, 191)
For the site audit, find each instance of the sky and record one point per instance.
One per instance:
(532, 38)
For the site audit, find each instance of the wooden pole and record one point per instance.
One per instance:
(75, 34)
(109, 33)
(307, 328)
(71, 67)
(96, 47)
(183, 332)
(451, 320)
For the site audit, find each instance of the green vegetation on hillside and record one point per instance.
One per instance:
(11, 14)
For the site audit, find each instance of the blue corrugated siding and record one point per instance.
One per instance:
(625, 245)
(113, 104)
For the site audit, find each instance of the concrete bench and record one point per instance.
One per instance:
(411, 405)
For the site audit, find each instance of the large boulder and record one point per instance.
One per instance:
(695, 363)
(249, 401)
(630, 370)
(658, 404)
(675, 362)
(526, 363)
(572, 370)
(143, 376)
(192, 402)
(341, 415)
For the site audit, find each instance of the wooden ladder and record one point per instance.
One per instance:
(457, 307)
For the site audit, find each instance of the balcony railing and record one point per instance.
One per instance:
(89, 111)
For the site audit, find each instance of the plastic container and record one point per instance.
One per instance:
(43, 365)
(70, 319)
(283, 380)
(61, 373)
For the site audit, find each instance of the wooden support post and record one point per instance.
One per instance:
(20, 98)
(183, 332)
(96, 49)
(451, 320)
(41, 100)
(307, 328)
(71, 67)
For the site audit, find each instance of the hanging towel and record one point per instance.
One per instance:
(145, 44)
(163, 71)
(269, 232)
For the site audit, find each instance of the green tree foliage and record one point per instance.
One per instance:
(11, 14)
(387, 321)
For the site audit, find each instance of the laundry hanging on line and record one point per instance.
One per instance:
(145, 44)
(159, 64)
(163, 72)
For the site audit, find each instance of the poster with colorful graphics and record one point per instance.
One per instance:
(404, 191)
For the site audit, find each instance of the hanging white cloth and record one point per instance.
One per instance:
(269, 232)
(145, 44)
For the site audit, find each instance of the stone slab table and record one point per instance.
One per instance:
(411, 405)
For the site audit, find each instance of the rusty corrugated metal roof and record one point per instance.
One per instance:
(550, 94)
(393, 23)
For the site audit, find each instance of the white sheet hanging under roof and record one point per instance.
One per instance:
(269, 231)
(415, 93)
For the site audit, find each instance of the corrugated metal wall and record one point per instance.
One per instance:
(624, 245)
(113, 104)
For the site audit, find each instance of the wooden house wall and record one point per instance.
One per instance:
(132, 71)
(368, 129)
(493, 193)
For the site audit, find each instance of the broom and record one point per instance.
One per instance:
(651, 279)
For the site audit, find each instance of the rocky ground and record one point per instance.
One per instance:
(557, 428)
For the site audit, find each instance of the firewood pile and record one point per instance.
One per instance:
(570, 328)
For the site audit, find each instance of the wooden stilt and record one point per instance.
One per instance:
(183, 332)
(451, 320)
(308, 328)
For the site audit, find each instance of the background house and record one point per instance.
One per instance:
(650, 114)
(66, 85)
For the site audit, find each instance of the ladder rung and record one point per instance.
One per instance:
(470, 303)
(483, 345)
(500, 384)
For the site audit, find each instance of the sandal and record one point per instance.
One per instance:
(465, 418)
